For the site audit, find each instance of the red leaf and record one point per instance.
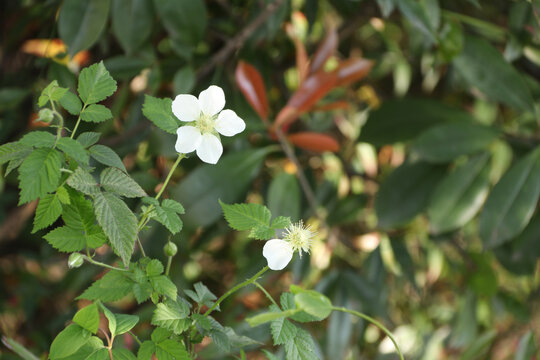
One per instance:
(335, 105)
(352, 70)
(302, 61)
(314, 141)
(251, 84)
(326, 49)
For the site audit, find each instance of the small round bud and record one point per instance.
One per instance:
(75, 260)
(170, 249)
(45, 115)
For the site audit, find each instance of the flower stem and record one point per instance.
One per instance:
(374, 322)
(168, 268)
(180, 157)
(249, 281)
(92, 261)
(265, 293)
(77, 123)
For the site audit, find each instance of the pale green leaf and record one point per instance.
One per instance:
(88, 318)
(71, 103)
(63, 195)
(246, 216)
(95, 84)
(171, 350)
(281, 222)
(13, 151)
(88, 139)
(173, 205)
(38, 139)
(96, 113)
(282, 329)
(312, 302)
(118, 223)
(154, 268)
(51, 92)
(39, 174)
(262, 233)
(111, 287)
(48, 210)
(73, 149)
(168, 218)
(118, 182)
(122, 354)
(164, 286)
(301, 346)
(159, 111)
(66, 239)
(83, 181)
(110, 317)
(125, 323)
(171, 315)
(147, 349)
(68, 341)
(106, 156)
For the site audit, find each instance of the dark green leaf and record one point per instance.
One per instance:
(13, 151)
(164, 286)
(38, 139)
(66, 239)
(71, 103)
(88, 139)
(106, 156)
(118, 182)
(168, 218)
(185, 20)
(184, 80)
(172, 315)
(39, 174)
(96, 113)
(159, 111)
(95, 83)
(132, 22)
(111, 287)
(416, 14)
(47, 211)
(83, 181)
(73, 149)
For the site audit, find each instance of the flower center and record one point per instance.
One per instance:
(205, 123)
(299, 236)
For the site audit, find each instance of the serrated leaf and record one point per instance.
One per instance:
(246, 216)
(79, 216)
(65, 239)
(13, 151)
(164, 286)
(51, 92)
(88, 139)
(173, 205)
(202, 321)
(512, 201)
(38, 139)
(74, 149)
(171, 315)
(154, 268)
(88, 318)
(106, 156)
(68, 341)
(281, 222)
(142, 291)
(301, 346)
(171, 350)
(96, 113)
(95, 84)
(159, 334)
(220, 338)
(125, 323)
(39, 174)
(110, 317)
(262, 233)
(48, 210)
(282, 329)
(118, 182)
(118, 223)
(159, 112)
(113, 286)
(147, 349)
(122, 354)
(83, 181)
(202, 295)
(63, 195)
(71, 103)
(168, 218)
(150, 201)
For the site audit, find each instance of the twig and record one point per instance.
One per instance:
(237, 41)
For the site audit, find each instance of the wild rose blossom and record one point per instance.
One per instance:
(279, 253)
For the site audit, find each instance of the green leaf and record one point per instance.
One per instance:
(96, 113)
(288, 303)
(95, 83)
(142, 291)
(122, 354)
(147, 349)
(246, 216)
(269, 355)
(403, 120)
(480, 346)
(164, 286)
(405, 193)
(417, 16)
(106, 156)
(88, 139)
(65, 239)
(202, 295)
(526, 347)
(18, 348)
(63, 195)
(74, 149)
(92, 350)
(172, 315)
(202, 321)
(118, 182)
(13, 151)
(262, 233)
(125, 323)
(132, 22)
(169, 219)
(184, 20)
(79, 216)
(485, 68)
(68, 341)
(48, 210)
(227, 180)
(282, 329)
(51, 92)
(154, 268)
(71, 103)
(284, 196)
(118, 223)
(39, 174)
(184, 80)
(511, 203)
(80, 23)
(312, 302)
(160, 334)
(444, 143)
(88, 318)
(110, 317)
(38, 139)
(171, 350)
(173, 205)
(270, 316)
(83, 181)
(301, 346)
(111, 287)
(159, 111)
(459, 196)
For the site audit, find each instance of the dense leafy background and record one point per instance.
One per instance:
(430, 201)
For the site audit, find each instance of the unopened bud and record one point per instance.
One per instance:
(170, 249)
(45, 115)
(75, 260)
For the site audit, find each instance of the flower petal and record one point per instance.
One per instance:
(278, 253)
(210, 149)
(186, 107)
(189, 138)
(229, 124)
(212, 100)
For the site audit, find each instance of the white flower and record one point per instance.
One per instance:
(279, 253)
(205, 120)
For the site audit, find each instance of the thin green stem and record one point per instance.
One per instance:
(135, 337)
(168, 268)
(374, 322)
(60, 122)
(265, 293)
(78, 122)
(92, 261)
(249, 281)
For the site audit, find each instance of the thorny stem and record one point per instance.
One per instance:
(231, 291)
(265, 293)
(374, 322)
(92, 261)
(77, 123)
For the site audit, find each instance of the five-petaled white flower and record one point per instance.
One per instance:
(278, 253)
(205, 120)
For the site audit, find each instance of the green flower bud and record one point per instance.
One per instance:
(170, 249)
(45, 115)
(75, 260)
